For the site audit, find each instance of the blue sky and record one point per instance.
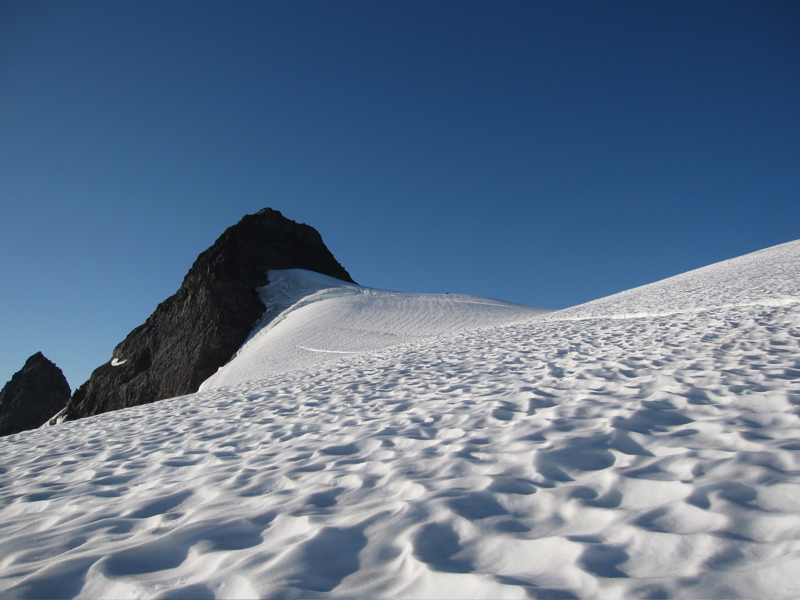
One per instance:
(546, 153)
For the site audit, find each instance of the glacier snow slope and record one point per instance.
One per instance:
(644, 445)
(318, 318)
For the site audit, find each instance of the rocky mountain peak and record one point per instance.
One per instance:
(199, 328)
(33, 395)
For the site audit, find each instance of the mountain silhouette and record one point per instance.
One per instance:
(199, 328)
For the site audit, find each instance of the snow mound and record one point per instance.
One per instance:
(318, 319)
(565, 456)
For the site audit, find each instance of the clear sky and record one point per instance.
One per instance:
(546, 153)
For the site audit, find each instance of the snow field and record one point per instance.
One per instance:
(319, 319)
(569, 455)
(768, 277)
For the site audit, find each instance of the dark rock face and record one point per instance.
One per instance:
(198, 329)
(33, 395)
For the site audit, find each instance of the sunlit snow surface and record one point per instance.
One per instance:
(641, 446)
(304, 331)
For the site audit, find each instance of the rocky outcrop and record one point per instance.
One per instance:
(198, 329)
(34, 394)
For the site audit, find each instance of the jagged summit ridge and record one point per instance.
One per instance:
(197, 330)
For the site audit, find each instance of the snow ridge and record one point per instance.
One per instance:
(315, 318)
(764, 278)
